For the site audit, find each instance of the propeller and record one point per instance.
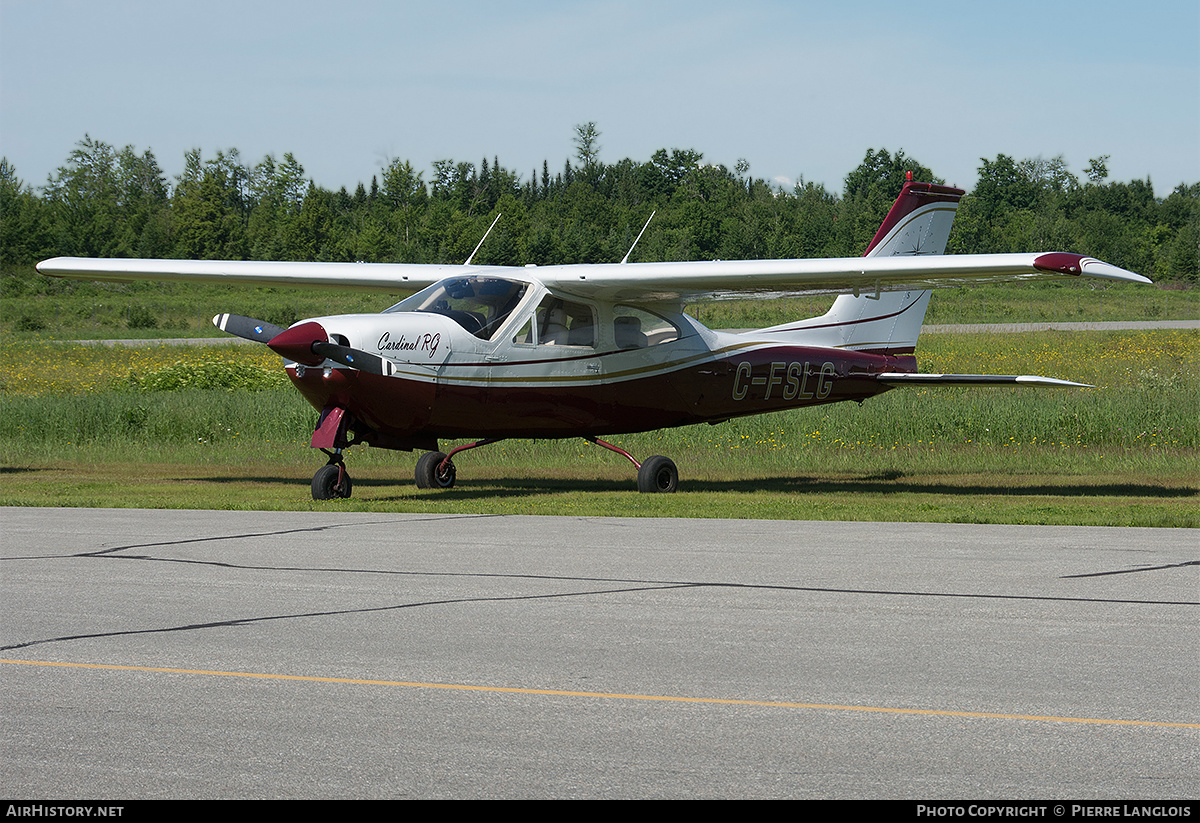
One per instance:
(355, 358)
(307, 343)
(247, 327)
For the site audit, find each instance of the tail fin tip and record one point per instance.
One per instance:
(919, 221)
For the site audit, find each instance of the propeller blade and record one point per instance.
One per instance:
(355, 358)
(246, 327)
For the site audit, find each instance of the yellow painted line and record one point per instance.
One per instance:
(612, 695)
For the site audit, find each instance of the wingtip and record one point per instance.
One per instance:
(1058, 262)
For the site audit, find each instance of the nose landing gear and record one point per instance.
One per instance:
(332, 480)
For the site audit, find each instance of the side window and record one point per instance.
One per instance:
(525, 335)
(635, 328)
(564, 323)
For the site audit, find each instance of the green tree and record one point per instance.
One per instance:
(1097, 170)
(587, 144)
(404, 193)
(144, 205)
(1003, 186)
(1049, 175)
(881, 174)
(208, 209)
(25, 234)
(665, 171)
(308, 234)
(83, 198)
(277, 192)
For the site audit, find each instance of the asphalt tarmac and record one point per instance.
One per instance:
(191, 654)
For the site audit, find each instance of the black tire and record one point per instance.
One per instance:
(324, 484)
(428, 476)
(658, 475)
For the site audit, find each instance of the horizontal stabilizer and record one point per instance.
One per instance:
(905, 379)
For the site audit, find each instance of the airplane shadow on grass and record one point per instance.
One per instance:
(882, 483)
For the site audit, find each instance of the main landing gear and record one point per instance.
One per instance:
(656, 475)
(435, 471)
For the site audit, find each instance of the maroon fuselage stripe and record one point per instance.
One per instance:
(734, 384)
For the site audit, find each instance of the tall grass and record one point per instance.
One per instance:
(59, 399)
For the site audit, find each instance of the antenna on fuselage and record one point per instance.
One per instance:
(485, 236)
(625, 259)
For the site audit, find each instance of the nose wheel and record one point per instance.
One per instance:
(331, 481)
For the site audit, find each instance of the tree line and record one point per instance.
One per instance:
(109, 202)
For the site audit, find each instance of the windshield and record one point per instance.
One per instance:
(479, 304)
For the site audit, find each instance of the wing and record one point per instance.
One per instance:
(732, 279)
(632, 282)
(388, 277)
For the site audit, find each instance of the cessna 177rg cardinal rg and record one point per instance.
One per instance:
(500, 352)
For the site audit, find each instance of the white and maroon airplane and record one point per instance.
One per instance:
(499, 352)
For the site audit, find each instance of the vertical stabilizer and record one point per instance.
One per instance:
(919, 223)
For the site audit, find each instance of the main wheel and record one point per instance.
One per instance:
(428, 474)
(325, 483)
(658, 475)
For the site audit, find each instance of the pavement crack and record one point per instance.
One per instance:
(1133, 571)
(247, 621)
(250, 535)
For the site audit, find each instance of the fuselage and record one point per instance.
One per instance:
(525, 362)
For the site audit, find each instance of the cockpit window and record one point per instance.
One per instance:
(477, 303)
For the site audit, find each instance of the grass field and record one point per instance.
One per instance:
(193, 427)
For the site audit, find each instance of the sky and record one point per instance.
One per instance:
(799, 90)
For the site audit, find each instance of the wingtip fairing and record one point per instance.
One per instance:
(1065, 263)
